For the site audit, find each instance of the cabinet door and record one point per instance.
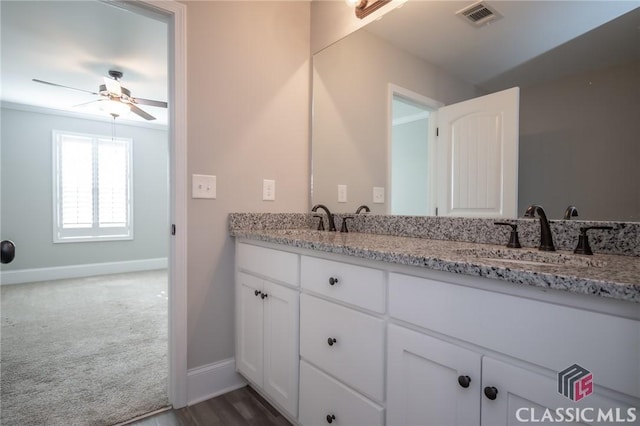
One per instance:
(424, 377)
(281, 345)
(249, 331)
(526, 396)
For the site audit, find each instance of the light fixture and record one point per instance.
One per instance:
(365, 7)
(115, 108)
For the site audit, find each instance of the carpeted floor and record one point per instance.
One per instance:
(85, 351)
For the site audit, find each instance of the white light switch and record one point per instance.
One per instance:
(378, 194)
(342, 193)
(203, 186)
(268, 190)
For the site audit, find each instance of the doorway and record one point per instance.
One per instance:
(411, 151)
(174, 15)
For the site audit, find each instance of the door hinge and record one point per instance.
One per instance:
(173, 229)
(437, 131)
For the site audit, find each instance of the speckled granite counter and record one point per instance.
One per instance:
(611, 276)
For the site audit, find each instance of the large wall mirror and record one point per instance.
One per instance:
(577, 65)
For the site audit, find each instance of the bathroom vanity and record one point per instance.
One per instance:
(365, 329)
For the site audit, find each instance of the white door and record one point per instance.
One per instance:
(249, 327)
(478, 156)
(524, 396)
(281, 345)
(431, 382)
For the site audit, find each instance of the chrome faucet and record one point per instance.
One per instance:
(332, 224)
(546, 239)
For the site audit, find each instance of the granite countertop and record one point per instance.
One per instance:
(612, 276)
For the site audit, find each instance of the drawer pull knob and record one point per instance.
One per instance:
(264, 295)
(333, 281)
(491, 392)
(257, 292)
(464, 381)
(331, 341)
(330, 418)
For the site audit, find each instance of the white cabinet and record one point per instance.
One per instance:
(332, 342)
(324, 399)
(342, 343)
(493, 340)
(267, 343)
(431, 382)
(345, 343)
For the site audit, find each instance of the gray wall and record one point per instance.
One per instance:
(248, 120)
(350, 113)
(579, 145)
(27, 211)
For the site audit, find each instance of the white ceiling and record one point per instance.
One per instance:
(523, 45)
(76, 43)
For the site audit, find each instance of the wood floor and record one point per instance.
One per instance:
(238, 408)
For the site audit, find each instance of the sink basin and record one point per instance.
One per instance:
(527, 257)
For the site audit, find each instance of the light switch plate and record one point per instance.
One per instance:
(378, 195)
(203, 186)
(342, 193)
(268, 190)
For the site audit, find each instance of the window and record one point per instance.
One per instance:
(92, 188)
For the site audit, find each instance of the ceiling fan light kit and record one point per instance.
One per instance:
(118, 98)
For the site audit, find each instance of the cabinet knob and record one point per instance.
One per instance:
(331, 341)
(333, 281)
(257, 292)
(264, 295)
(464, 381)
(491, 392)
(330, 418)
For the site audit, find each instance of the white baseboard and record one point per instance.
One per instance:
(77, 271)
(212, 380)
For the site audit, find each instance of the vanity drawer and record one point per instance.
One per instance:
(357, 355)
(322, 396)
(541, 333)
(357, 285)
(275, 264)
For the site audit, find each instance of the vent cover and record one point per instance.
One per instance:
(478, 14)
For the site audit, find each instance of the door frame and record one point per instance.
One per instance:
(175, 14)
(394, 90)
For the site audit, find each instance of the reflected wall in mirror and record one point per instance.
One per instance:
(579, 99)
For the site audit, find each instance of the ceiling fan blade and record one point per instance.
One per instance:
(113, 86)
(141, 113)
(60, 85)
(87, 103)
(149, 102)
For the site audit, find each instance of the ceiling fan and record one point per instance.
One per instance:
(118, 98)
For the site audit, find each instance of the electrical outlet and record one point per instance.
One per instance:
(203, 186)
(378, 195)
(268, 190)
(342, 193)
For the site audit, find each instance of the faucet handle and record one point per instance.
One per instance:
(583, 240)
(344, 223)
(320, 223)
(514, 242)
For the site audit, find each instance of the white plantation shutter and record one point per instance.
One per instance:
(113, 172)
(92, 191)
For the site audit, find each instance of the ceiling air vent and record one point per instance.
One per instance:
(479, 14)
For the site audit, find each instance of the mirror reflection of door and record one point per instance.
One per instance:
(477, 162)
(411, 151)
